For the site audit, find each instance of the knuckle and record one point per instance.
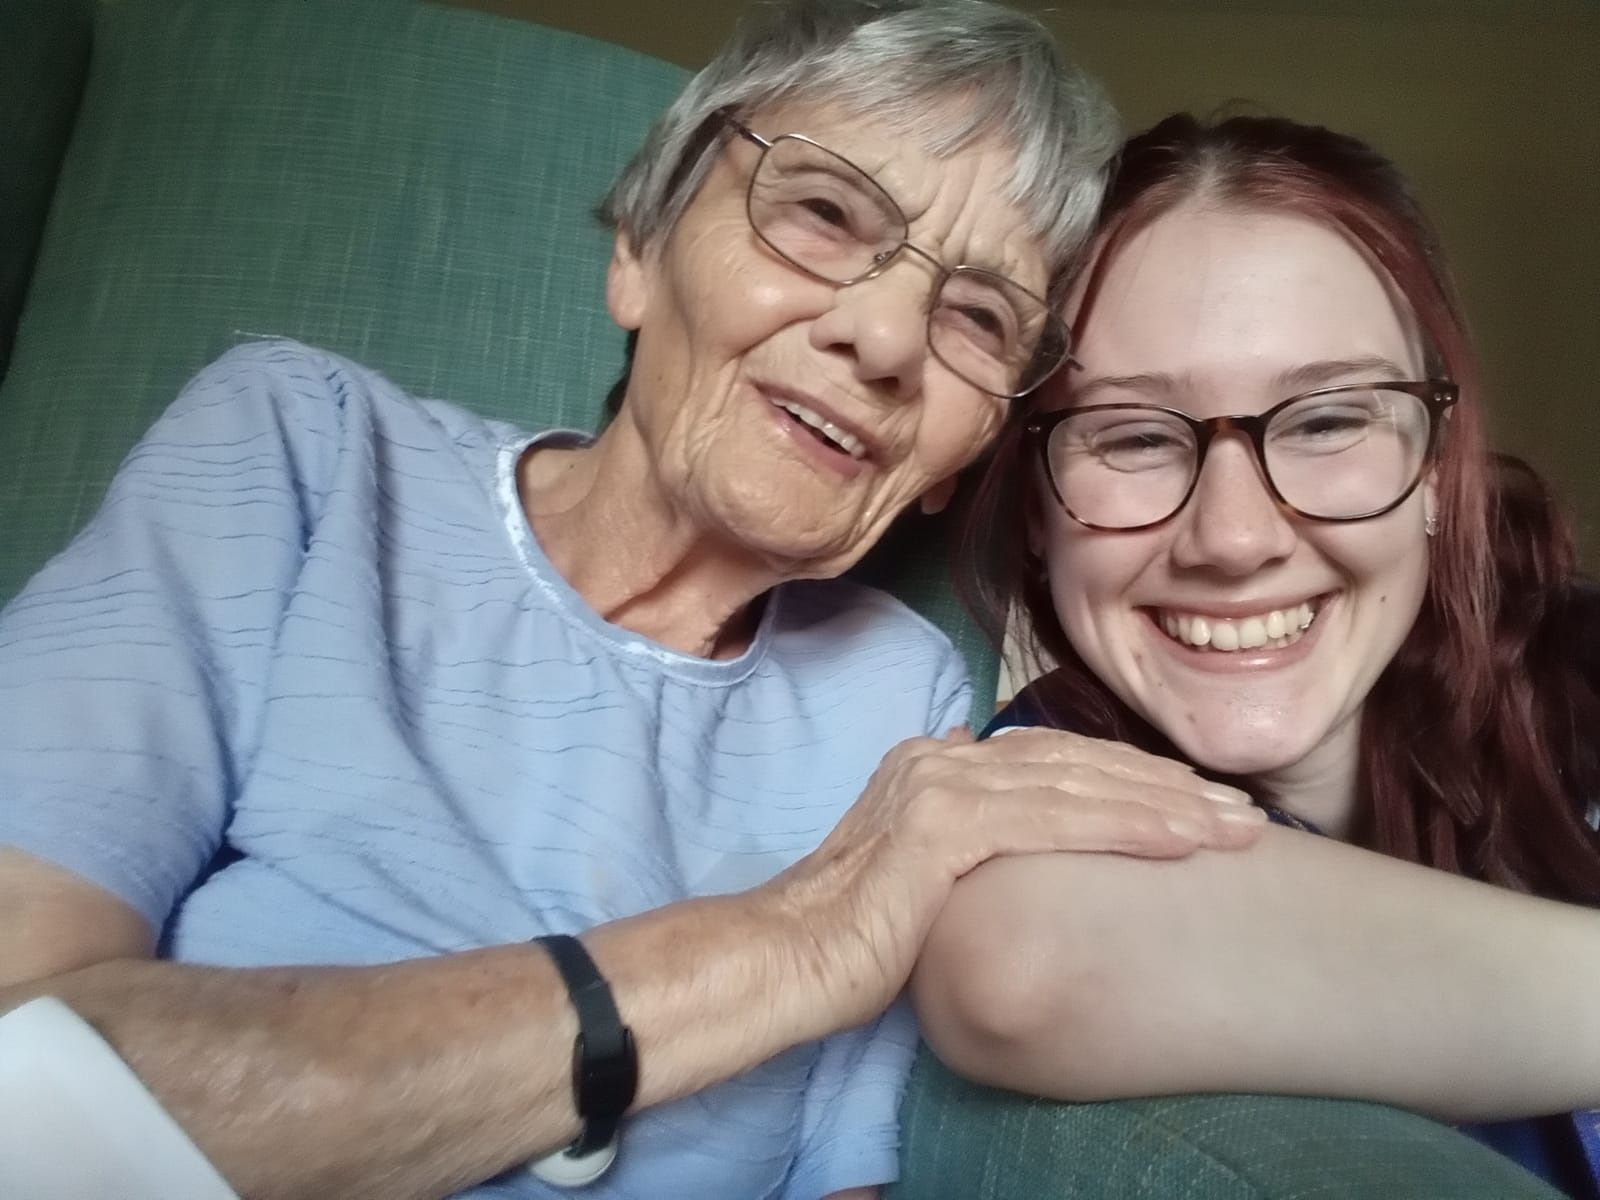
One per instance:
(1147, 824)
(907, 751)
(933, 809)
(925, 774)
(1080, 776)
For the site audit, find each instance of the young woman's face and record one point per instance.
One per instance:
(1224, 312)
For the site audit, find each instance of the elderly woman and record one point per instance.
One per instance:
(343, 697)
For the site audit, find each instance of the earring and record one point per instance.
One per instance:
(1430, 525)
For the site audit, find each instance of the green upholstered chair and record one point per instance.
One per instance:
(412, 185)
(959, 1140)
(407, 184)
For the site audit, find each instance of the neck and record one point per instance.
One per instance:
(607, 525)
(1324, 787)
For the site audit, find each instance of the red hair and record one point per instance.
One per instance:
(1475, 739)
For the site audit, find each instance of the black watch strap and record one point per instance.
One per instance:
(605, 1069)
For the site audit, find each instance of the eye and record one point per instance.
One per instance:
(985, 320)
(1147, 443)
(1325, 428)
(975, 311)
(1140, 439)
(826, 210)
(1126, 442)
(1327, 422)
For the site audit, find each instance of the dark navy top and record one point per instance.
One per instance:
(1563, 1149)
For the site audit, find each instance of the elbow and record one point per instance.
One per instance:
(1010, 1004)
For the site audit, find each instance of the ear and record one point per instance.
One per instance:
(627, 283)
(938, 496)
(1430, 496)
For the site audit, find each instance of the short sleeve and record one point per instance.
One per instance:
(850, 1118)
(132, 666)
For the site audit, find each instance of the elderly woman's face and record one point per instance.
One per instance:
(795, 417)
(1248, 634)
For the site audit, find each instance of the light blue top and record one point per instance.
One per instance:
(310, 638)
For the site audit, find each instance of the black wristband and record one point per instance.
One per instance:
(605, 1069)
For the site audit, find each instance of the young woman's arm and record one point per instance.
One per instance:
(1301, 965)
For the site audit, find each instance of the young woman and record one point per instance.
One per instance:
(1262, 532)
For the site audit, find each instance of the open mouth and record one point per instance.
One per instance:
(1270, 630)
(824, 430)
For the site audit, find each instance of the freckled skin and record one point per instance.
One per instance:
(1225, 302)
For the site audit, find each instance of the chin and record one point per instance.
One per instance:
(821, 557)
(1244, 751)
(771, 531)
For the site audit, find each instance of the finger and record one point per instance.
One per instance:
(1033, 821)
(1210, 822)
(912, 748)
(1187, 792)
(1058, 745)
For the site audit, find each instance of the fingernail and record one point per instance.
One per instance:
(1242, 816)
(1223, 794)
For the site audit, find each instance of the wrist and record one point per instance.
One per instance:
(801, 918)
(710, 987)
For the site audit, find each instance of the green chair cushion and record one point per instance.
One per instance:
(962, 1140)
(406, 184)
(45, 56)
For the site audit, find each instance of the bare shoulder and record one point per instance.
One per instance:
(52, 921)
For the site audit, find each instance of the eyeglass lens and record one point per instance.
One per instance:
(833, 220)
(1349, 454)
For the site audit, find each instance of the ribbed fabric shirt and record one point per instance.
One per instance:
(306, 690)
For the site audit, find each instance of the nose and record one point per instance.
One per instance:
(1232, 524)
(881, 326)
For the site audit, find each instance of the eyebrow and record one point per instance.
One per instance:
(1305, 377)
(1365, 368)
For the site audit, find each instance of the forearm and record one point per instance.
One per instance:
(1301, 966)
(419, 1078)
(414, 1079)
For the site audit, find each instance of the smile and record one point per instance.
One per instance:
(823, 429)
(1273, 629)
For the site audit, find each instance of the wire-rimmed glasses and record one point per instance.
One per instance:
(829, 218)
(1344, 453)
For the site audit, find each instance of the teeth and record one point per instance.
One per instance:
(1274, 630)
(1252, 633)
(845, 440)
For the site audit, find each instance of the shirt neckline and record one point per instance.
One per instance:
(575, 610)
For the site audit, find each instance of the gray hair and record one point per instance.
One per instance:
(944, 71)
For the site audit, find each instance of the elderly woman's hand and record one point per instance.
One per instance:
(863, 901)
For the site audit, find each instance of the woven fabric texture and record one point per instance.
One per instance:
(44, 52)
(959, 1139)
(408, 184)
